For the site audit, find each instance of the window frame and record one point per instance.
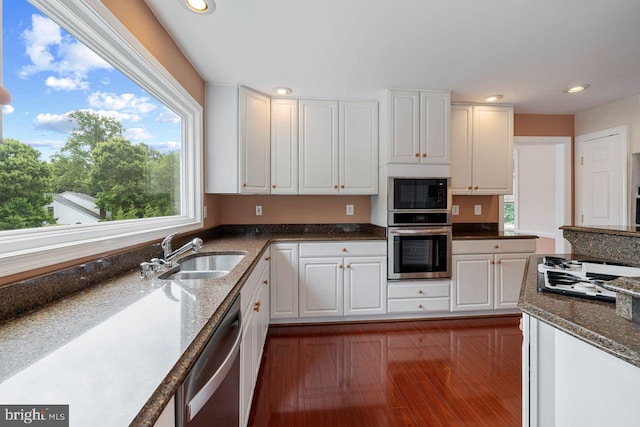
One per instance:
(94, 25)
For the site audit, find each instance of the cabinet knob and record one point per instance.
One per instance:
(424, 154)
(266, 282)
(420, 306)
(491, 262)
(348, 265)
(420, 291)
(342, 186)
(499, 262)
(469, 188)
(268, 258)
(476, 187)
(344, 249)
(497, 246)
(339, 265)
(417, 154)
(335, 186)
(273, 186)
(256, 306)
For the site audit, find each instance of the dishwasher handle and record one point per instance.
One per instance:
(204, 394)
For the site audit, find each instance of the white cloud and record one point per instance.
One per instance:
(137, 134)
(46, 143)
(54, 122)
(50, 50)
(66, 83)
(167, 116)
(8, 109)
(166, 145)
(126, 102)
(105, 81)
(117, 115)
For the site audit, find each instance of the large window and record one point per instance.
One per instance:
(100, 147)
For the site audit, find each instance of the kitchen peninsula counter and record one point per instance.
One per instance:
(117, 352)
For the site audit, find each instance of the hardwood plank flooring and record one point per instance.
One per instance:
(462, 372)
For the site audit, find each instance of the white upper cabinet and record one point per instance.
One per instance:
(482, 149)
(338, 146)
(284, 146)
(238, 140)
(358, 147)
(255, 147)
(318, 147)
(419, 126)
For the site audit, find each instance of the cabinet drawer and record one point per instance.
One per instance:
(439, 288)
(344, 248)
(258, 275)
(493, 246)
(417, 305)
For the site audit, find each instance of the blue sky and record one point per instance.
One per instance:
(49, 74)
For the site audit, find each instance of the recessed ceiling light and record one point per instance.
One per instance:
(281, 90)
(491, 98)
(576, 88)
(199, 6)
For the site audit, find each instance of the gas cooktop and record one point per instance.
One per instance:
(583, 279)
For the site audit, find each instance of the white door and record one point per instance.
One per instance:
(509, 274)
(492, 150)
(461, 151)
(254, 142)
(404, 126)
(318, 144)
(284, 280)
(358, 147)
(601, 169)
(472, 282)
(284, 146)
(543, 187)
(365, 287)
(321, 287)
(434, 127)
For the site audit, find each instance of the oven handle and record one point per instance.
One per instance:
(420, 231)
(202, 397)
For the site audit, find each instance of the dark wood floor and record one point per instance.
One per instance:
(427, 373)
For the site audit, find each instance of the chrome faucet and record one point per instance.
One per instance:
(147, 268)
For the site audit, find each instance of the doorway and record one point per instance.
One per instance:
(542, 189)
(601, 178)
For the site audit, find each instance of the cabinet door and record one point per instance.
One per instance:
(262, 313)
(404, 126)
(358, 151)
(284, 146)
(509, 274)
(321, 287)
(284, 280)
(248, 360)
(365, 286)
(461, 151)
(492, 150)
(472, 283)
(318, 144)
(434, 127)
(254, 138)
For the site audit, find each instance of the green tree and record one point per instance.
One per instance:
(73, 164)
(25, 182)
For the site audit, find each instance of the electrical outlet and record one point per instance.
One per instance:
(455, 210)
(477, 210)
(204, 211)
(349, 209)
(258, 210)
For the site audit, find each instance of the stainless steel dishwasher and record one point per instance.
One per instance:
(210, 394)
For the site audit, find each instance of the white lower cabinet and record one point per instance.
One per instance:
(423, 296)
(254, 300)
(284, 280)
(487, 274)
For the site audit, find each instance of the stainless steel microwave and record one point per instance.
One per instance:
(414, 201)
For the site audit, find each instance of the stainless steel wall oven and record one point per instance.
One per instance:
(419, 232)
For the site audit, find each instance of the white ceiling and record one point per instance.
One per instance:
(527, 50)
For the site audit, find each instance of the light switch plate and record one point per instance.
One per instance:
(349, 209)
(258, 210)
(477, 210)
(455, 210)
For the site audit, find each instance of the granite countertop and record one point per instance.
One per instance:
(488, 235)
(593, 322)
(617, 230)
(117, 352)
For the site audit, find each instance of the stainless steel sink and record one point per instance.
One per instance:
(204, 266)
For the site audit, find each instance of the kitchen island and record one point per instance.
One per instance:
(580, 359)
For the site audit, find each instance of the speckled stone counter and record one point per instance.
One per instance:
(593, 322)
(117, 352)
(618, 243)
(482, 231)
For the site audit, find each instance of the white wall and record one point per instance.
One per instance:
(623, 112)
